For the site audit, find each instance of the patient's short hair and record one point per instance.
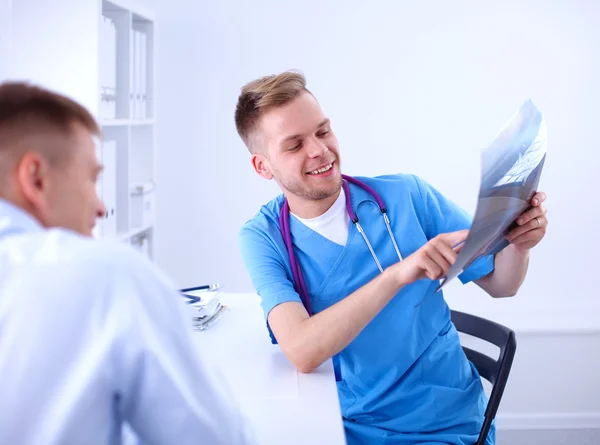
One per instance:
(31, 117)
(261, 94)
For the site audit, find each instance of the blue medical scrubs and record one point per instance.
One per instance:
(404, 379)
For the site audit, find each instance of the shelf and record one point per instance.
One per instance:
(133, 233)
(126, 122)
(127, 5)
(125, 114)
(115, 5)
(126, 61)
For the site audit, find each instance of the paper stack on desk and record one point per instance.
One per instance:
(204, 305)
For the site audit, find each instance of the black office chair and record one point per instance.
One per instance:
(494, 371)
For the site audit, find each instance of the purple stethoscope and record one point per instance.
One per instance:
(299, 283)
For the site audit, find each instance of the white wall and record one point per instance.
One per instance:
(5, 37)
(414, 88)
(51, 43)
(553, 383)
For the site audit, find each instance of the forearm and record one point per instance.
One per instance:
(308, 341)
(317, 338)
(510, 268)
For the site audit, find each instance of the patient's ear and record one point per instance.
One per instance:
(260, 166)
(33, 177)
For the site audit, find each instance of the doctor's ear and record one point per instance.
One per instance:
(260, 166)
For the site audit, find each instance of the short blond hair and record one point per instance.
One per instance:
(264, 93)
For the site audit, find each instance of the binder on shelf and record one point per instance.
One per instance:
(132, 75)
(112, 64)
(108, 68)
(109, 188)
(138, 74)
(143, 75)
(103, 51)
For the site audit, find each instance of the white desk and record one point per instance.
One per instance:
(283, 405)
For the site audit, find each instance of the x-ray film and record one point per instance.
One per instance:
(511, 168)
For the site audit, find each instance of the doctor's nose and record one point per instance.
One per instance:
(316, 148)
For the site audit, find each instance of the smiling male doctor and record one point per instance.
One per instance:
(403, 377)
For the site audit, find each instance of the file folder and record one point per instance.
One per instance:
(103, 50)
(132, 75)
(108, 68)
(138, 74)
(112, 67)
(143, 74)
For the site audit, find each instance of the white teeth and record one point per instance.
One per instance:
(322, 170)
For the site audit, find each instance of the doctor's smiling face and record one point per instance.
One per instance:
(291, 141)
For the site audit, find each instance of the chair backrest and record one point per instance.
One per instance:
(495, 371)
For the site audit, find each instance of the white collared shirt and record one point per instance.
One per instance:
(93, 337)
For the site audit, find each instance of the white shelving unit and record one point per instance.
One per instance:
(126, 114)
(93, 52)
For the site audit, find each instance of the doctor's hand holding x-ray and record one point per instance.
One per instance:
(434, 259)
(512, 262)
(531, 225)
(340, 263)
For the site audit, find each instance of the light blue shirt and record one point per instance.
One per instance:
(404, 379)
(92, 337)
